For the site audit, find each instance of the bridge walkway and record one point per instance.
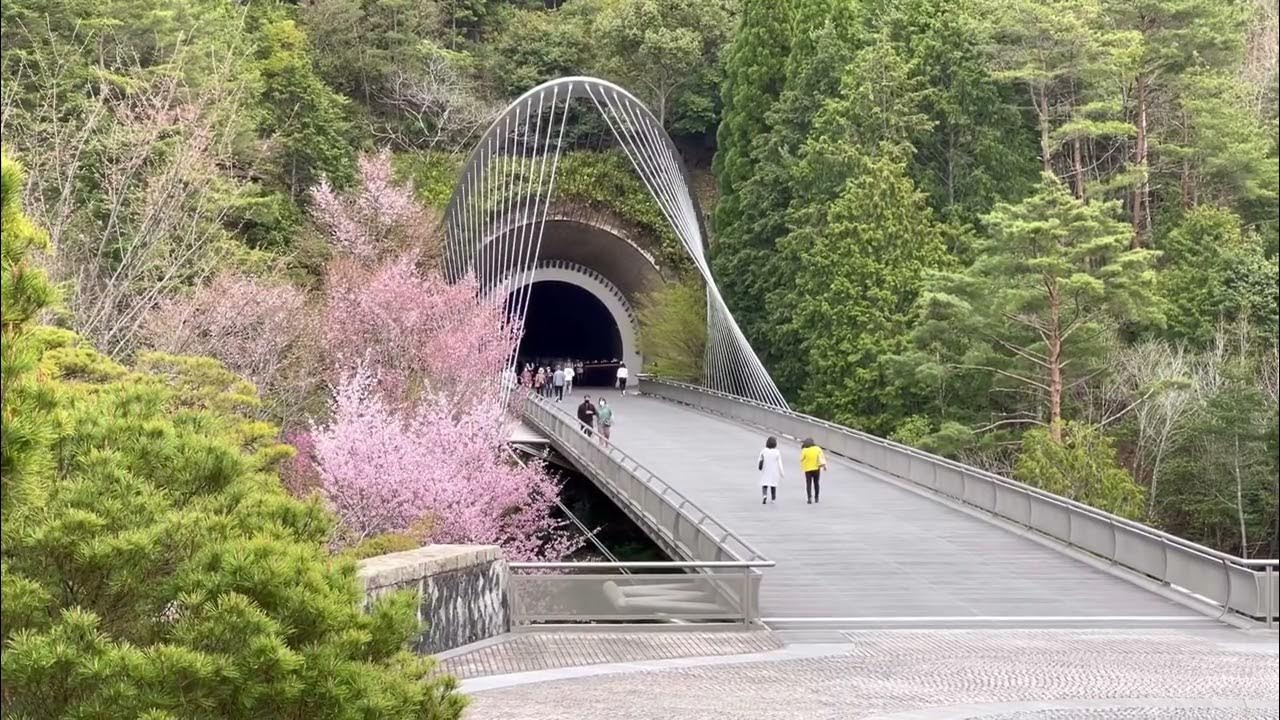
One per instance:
(873, 552)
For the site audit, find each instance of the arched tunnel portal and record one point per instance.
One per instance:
(583, 293)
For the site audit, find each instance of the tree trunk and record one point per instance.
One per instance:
(1046, 152)
(1077, 163)
(1138, 206)
(1244, 536)
(1055, 368)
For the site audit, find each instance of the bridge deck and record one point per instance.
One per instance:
(871, 549)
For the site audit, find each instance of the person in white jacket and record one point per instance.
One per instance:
(770, 467)
(622, 378)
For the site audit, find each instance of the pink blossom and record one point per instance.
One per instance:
(259, 329)
(434, 466)
(415, 331)
(379, 218)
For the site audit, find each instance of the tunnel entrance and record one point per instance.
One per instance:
(567, 322)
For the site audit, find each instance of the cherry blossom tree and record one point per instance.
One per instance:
(380, 218)
(417, 332)
(260, 329)
(436, 468)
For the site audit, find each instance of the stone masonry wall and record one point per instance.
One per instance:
(462, 591)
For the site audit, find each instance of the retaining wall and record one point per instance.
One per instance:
(462, 591)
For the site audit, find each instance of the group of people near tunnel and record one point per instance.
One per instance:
(552, 380)
(812, 462)
(556, 379)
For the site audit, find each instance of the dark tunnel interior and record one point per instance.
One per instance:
(565, 321)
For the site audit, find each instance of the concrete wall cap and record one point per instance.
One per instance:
(411, 566)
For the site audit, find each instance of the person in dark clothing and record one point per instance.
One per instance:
(587, 415)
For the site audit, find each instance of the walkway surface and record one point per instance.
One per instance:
(995, 674)
(873, 553)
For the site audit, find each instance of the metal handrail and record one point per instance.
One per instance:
(643, 565)
(679, 503)
(1050, 497)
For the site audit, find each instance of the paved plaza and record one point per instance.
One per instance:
(993, 674)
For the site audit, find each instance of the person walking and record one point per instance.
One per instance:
(604, 420)
(812, 462)
(587, 415)
(557, 384)
(770, 466)
(526, 378)
(622, 378)
(540, 382)
(569, 375)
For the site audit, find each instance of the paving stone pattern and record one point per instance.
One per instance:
(525, 652)
(934, 675)
(1115, 713)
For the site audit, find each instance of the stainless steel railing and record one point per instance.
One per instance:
(718, 580)
(597, 592)
(677, 522)
(1235, 584)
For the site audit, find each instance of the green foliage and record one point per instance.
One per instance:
(847, 308)
(393, 34)
(1082, 467)
(306, 118)
(667, 52)
(978, 150)
(673, 330)
(535, 46)
(153, 565)
(1220, 485)
(382, 545)
(1051, 286)
(1213, 274)
(754, 78)
(608, 180)
(433, 175)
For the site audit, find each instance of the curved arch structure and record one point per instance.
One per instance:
(495, 220)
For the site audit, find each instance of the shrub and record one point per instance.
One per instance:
(1082, 467)
(152, 564)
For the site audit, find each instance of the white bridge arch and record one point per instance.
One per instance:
(495, 219)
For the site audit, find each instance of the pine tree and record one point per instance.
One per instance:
(305, 118)
(1053, 282)
(152, 564)
(861, 238)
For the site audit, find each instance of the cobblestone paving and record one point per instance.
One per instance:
(1114, 713)
(932, 674)
(545, 651)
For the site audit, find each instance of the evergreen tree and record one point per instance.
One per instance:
(306, 120)
(754, 75)
(1211, 274)
(857, 272)
(1052, 284)
(978, 150)
(1177, 37)
(861, 238)
(152, 564)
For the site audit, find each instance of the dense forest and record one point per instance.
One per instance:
(1040, 237)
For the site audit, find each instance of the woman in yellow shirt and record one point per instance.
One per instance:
(812, 462)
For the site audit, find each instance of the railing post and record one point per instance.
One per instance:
(747, 607)
(1268, 577)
